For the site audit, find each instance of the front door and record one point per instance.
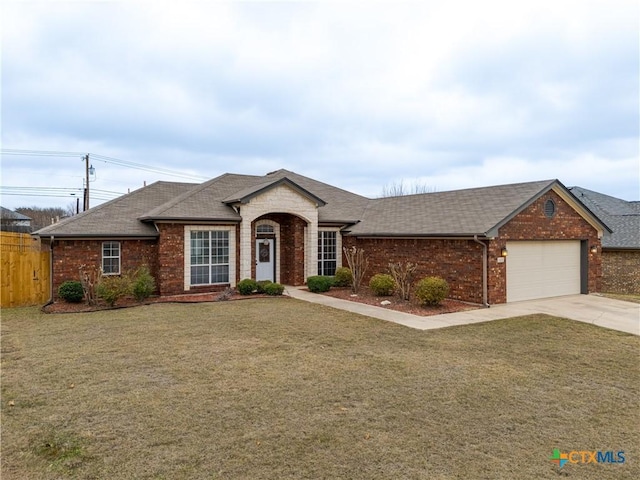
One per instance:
(265, 261)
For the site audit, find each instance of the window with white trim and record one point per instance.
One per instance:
(209, 257)
(111, 258)
(327, 252)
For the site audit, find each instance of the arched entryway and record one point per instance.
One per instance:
(278, 248)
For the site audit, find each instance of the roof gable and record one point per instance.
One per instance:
(244, 196)
(458, 213)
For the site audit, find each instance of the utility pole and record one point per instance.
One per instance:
(86, 185)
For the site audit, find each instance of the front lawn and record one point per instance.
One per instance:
(281, 389)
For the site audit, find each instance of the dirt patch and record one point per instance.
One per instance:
(412, 306)
(65, 307)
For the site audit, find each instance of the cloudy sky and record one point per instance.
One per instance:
(445, 95)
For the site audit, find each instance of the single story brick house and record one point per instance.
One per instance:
(621, 247)
(493, 244)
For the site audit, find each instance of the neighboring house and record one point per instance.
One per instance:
(14, 222)
(493, 244)
(621, 247)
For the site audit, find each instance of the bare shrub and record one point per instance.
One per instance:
(404, 275)
(358, 264)
(89, 278)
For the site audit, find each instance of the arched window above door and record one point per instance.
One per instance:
(264, 228)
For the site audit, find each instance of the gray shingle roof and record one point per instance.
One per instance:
(622, 216)
(118, 217)
(475, 211)
(7, 214)
(208, 201)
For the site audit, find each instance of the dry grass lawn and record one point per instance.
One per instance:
(281, 389)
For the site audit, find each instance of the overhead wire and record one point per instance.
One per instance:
(105, 159)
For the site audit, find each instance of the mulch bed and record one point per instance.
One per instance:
(412, 306)
(65, 307)
(364, 296)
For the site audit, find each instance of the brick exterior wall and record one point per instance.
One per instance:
(69, 255)
(459, 262)
(170, 278)
(532, 224)
(621, 271)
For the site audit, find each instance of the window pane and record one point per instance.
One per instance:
(220, 274)
(110, 265)
(199, 275)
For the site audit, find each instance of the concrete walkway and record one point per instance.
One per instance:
(601, 311)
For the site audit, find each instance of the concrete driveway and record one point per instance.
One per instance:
(594, 309)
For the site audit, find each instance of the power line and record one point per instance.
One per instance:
(56, 192)
(105, 159)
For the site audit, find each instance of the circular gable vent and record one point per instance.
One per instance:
(549, 208)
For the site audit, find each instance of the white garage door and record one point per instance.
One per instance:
(542, 269)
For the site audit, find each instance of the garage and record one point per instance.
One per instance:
(540, 269)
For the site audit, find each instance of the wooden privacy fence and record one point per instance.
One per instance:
(24, 271)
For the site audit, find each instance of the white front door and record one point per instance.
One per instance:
(265, 263)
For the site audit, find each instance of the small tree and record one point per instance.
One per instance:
(89, 278)
(358, 264)
(404, 275)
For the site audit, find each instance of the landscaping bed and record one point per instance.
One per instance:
(365, 295)
(67, 307)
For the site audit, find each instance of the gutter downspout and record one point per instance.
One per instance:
(50, 301)
(485, 294)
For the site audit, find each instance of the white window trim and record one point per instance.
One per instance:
(338, 244)
(187, 252)
(119, 257)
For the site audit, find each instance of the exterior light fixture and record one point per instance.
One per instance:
(594, 249)
(265, 241)
(504, 252)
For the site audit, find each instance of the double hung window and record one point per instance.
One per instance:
(327, 252)
(209, 257)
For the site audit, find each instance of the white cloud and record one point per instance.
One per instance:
(460, 93)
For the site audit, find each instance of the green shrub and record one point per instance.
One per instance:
(272, 288)
(382, 284)
(112, 288)
(247, 286)
(71, 291)
(261, 285)
(143, 284)
(432, 290)
(343, 277)
(319, 283)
